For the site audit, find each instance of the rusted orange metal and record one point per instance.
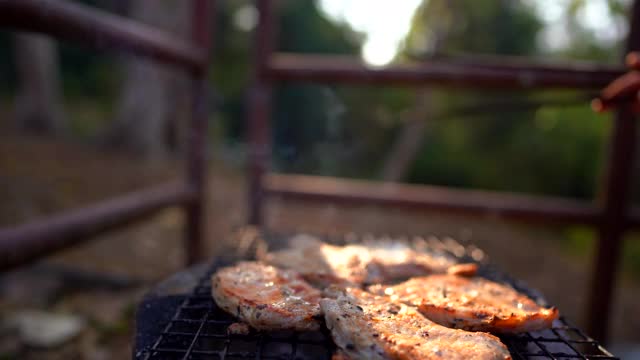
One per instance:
(71, 21)
(611, 215)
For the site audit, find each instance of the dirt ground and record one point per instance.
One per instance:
(104, 279)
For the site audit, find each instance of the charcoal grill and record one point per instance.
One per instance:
(192, 326)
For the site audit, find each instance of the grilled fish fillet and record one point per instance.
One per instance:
(324, 264)
(475, 304)
(267, 298)
(366, 326)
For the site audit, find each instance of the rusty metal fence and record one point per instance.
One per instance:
(75, 22)
(610, 214)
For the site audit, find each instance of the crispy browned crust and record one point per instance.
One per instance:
(267, 298)
(238, 329)
(365, 326)
(475, 304)
(323, 264)
(469, 269)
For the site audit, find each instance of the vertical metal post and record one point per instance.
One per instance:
(259, 113)
(196, 152)
(614, 202)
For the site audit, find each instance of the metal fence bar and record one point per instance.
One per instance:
(633, 219)
(614, 200)
(72, 21)
(39, 238)
(517, 62)
(422, 197)
(344, 69)
(196, 160)
(611, 217)
(259, 113)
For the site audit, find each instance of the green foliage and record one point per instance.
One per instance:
(492, 26)
(348, 130)
(547, 150)
(88, 116)
(304, 30)
(88, 73)
(305, 116)
(631, 254)
(581, 241)
(230, 71)
(300, 111)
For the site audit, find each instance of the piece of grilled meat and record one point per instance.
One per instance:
(267, 298)
(475, 304)
(366, 326)
(323, 264)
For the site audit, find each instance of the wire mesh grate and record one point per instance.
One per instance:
(198, 329)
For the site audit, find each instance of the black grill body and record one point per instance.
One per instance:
(191, 326)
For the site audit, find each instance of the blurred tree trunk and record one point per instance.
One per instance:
(154, 101)
(38, 104)
(409, 141)
(411, 137)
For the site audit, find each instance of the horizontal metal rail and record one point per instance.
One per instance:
(72, 21)
(41, 237)
(516, 62)
(343, 69)
(513, 206)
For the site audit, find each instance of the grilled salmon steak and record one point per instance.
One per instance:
(366, 326)
(324, 264)
(475, 304)
(267, 298)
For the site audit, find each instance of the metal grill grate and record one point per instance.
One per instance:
(198, 329)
